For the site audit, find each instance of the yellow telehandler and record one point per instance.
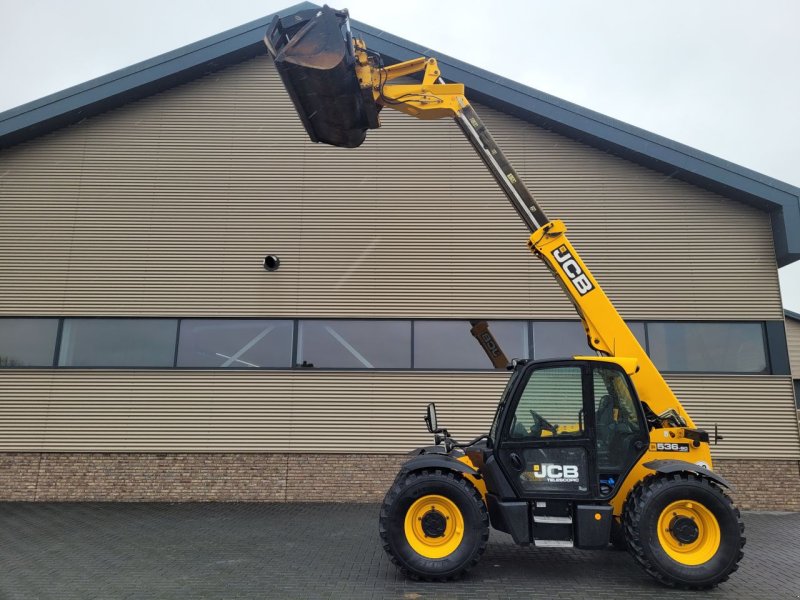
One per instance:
(583, 451)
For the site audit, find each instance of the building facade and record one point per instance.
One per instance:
(147, 354)
(793, 340)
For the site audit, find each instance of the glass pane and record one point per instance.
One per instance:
(354, 344)
(637, 327)
(235, 343)
(450, 345)
(563, 339)
(555, 469)
(618, 426)
(118, 343)
(708, 347)
(550, 405)
(27, 342)
(559, 339)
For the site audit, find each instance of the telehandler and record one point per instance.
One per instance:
(583, 451)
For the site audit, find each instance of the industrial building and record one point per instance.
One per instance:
(146, 353)
(793, 339)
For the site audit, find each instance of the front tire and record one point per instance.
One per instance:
(434, 525)
(684, 530)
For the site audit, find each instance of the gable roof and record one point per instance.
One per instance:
(791, 314)
(69, 106)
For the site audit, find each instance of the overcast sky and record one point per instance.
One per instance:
(718, 75)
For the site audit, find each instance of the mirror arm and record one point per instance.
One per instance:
(471, 442)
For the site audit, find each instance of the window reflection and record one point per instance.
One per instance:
(342, 344)
(450, 345)
(564, 339)
(27, 342)
(676, 347)
(235, 343)
(708, 347)
(118, 343)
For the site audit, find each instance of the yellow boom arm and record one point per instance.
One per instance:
(606, 331)
(339, 87)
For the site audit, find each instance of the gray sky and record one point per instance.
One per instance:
(718, 75)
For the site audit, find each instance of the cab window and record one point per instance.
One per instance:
(551, 405)
(618, 426)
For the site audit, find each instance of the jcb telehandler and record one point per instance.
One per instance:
(582, 452)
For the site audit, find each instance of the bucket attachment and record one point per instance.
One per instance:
(314, 54)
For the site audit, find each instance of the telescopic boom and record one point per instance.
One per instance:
(339, 87)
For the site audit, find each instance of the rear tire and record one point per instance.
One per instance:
(434, 525)
(684, 530)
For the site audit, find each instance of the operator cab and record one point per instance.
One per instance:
(566, 433)
(568, 427)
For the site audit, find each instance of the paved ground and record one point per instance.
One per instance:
(132, 551)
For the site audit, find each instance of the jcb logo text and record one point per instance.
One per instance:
(553, 473)
(573, 270)
(557, 471)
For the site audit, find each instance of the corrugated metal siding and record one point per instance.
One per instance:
(236, 411)
(167, 206)
(240, 411)
(793, 341)
(755, 414)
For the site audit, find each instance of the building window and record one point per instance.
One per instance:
(708, 347)
(342, 344)
(27, 342)
(564, 339)
(118, 343)
(675, 347)
(235, 343)
(559, 339)
(450, 345)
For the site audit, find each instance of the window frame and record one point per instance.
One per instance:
(297, 364)
(528, 323)
(292, 354)
(764, 343)
(56, 344)
(60, 339)
(584, 369)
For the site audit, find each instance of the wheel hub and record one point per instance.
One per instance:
(434, 524)
(689, 532)
(684, 529)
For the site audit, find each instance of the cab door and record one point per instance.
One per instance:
(546, 445)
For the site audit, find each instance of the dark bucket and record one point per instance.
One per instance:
(313, 53)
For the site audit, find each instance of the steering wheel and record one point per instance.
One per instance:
(540, 423)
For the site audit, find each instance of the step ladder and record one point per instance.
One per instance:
(552, 524)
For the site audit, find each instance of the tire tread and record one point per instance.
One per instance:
(641, 497)
(396, 490)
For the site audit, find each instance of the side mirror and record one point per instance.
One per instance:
(430, 418)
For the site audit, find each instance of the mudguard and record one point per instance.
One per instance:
(437, 461)
(676, 466)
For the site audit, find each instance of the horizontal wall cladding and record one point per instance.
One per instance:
(240, 411)
(167, 206)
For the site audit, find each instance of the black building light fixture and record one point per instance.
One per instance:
(271, 262)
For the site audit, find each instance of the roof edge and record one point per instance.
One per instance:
(73, 104)
(136, 81)
(678, 160)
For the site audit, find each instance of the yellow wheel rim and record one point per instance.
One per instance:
(688, 532)
(434, 526)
